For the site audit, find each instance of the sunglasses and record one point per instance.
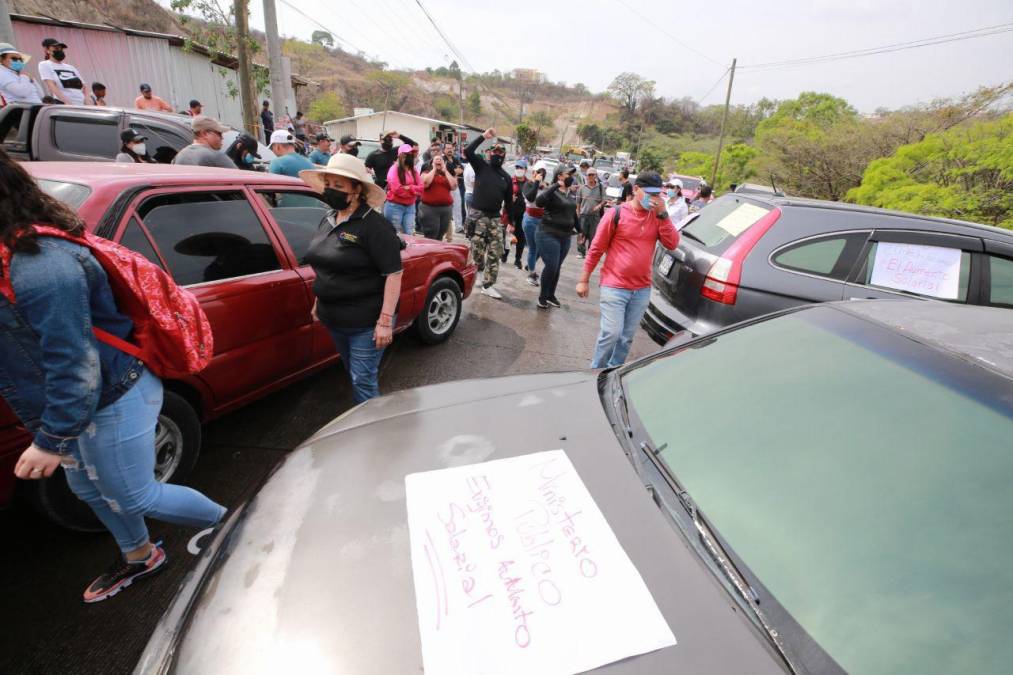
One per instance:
(16, 58)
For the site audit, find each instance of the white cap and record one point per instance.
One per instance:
(677, 183)
(282, 136)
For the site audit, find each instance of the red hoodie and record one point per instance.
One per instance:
(629, 246)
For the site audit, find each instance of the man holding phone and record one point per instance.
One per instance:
(627, 234)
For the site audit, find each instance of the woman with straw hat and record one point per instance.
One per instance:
(16, 86)
(356, 255)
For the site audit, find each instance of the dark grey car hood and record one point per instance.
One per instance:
(318, 576)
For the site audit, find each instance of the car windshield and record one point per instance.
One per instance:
(861, 476)
(690, 183)
(71, 194)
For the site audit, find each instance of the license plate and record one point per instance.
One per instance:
(666, 265)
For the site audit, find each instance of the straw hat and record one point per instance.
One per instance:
(349, 167)
(7, 48)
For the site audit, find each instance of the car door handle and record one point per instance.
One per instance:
(679, 255)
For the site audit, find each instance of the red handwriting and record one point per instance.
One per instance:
(555, 503)
(481, 506)
(515, 595)
(452, 524)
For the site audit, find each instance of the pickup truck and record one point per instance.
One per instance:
(71, 133)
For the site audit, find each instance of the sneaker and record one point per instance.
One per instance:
(552, 301)
(122, 573)
(542, 304)
(532, 279)
(517, 264)
(492, 292)
(580, 255)
(503, 258)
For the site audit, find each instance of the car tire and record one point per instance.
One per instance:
(441, 312)
(178, 440)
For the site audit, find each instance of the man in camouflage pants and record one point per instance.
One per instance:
(493, 193)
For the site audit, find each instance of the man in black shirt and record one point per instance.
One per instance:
(379, 161)
(267, 121)
(493, 193)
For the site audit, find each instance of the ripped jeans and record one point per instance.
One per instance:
(113, 470)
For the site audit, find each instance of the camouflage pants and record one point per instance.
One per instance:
(486, 244)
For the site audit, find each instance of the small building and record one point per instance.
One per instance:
(369, 126)
(123, 58)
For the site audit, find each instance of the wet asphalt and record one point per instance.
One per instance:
(43, 568)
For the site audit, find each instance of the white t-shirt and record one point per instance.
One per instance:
(67, 79)
(17, 87)
(469, 179)
(678, 210)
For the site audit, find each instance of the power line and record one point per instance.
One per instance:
(335, 34)
(450, 45)
(886, 49)
(713, 87)
(655, 24)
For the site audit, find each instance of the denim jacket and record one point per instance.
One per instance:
(53, 372)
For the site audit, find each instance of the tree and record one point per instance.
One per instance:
(391, 85)
(445, 106)
(541, 122)
(474, 103)
(650, 159)
(630, 89)
(526, 137)
(965, 172)
(322, 38)
(326, 107)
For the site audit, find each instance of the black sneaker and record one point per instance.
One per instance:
(532, 279)
(122, 573)
(517, 264)
(552, 301)
(542, 304)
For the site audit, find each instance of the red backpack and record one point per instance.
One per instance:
(171, 335)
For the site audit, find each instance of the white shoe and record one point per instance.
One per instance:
(478, 278)
(492, 293)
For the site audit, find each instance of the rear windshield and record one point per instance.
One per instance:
(690, 183)
(71, 194)
(722, 221)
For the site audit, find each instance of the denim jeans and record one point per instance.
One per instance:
(401, 216)
(621, 312)
(530, 226)
(552, 249)
(361, 359)
(113, 470)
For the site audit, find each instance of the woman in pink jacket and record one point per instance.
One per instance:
(404, 186)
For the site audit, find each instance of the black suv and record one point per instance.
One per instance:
(745, 255)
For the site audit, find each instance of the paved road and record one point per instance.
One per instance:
(46, 627)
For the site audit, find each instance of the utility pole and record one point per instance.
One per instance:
(460, 110)
(278, 88)
(246, 96)
(724, 122)
(6, 30)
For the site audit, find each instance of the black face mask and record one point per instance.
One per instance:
(568, 181)
(387, 145)
(59, 54)
(336, 199)
(354, 152)
(496, 160)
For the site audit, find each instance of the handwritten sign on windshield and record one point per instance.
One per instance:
(516, 570)
(925, 270)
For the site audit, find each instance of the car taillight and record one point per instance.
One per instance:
(722, 281)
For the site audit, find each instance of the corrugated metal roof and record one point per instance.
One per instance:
(397, 112)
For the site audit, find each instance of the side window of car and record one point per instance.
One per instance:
(93, 137)
(162, 143)
(136, 240)
(298, 215)
(1000, 287)
(930, 271)
(832, 256)
(208, 236)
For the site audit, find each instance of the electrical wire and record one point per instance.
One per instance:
(885, 49)
(713, 87)
(655, 24)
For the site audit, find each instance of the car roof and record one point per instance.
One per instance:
(981, 335)
(98, 174)
(800, 202)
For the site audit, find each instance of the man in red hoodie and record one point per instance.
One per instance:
(628, 238)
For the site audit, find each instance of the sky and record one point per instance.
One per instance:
(685, 47)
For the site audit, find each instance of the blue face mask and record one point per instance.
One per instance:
(646, 201)
(17, 66)
(248, 158)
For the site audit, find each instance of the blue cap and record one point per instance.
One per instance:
(521, 164)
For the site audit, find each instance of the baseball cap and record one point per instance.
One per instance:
(131, 135)
(145, 86)
(405, 148)
(322, 137)
(677, 183)
(649, 182)
(194, 103)
(348, 139)
(521, 164)
(593, 170)
(205, 123)
(52, 42)
(498, 148)
(584, 162)
(282, 136)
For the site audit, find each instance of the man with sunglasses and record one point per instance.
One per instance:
(206, 149)
(16, 86)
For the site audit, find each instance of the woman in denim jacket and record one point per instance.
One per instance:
(91, 408)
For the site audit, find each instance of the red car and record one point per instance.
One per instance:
(236, 239)
(690, 185)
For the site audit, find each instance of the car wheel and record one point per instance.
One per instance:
(177, 446)
(441, 312)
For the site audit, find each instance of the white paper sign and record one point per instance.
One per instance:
(741, 219)
(517, 571)
(925, 270)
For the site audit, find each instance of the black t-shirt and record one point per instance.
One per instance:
(352, 262)
(627, 191)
